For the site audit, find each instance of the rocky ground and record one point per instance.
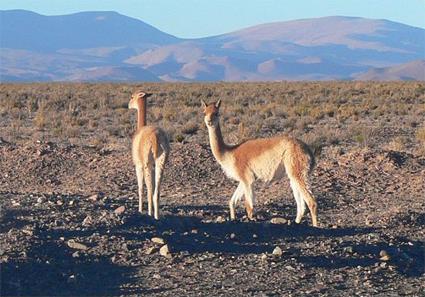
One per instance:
(70, 226)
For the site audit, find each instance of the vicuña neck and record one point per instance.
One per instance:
(217, 144)
(141, 114)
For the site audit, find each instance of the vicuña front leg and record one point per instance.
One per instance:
(237, 195)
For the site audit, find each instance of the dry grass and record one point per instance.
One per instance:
(330, 113)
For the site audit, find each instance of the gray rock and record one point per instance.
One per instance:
(76, 245)
(158, 240)
(151, 250)
(278, 220)
(87, 221)
(120, 210)
(165, 251)
(277, 251)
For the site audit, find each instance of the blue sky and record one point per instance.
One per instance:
(199, 18)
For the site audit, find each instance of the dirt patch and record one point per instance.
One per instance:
(371, 210)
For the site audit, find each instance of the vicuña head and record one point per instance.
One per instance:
(212, 114)
(265, 159)
(150, 150)
(137, 99)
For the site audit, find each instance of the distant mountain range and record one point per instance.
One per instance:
(107, 46)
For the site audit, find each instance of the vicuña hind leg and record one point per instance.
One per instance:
(249, 200)
(308, 197)
(159, 167)
(237, 195)
(139, 173)
(149, 186)
(300, 202)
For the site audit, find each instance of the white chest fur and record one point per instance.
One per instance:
(229, 168)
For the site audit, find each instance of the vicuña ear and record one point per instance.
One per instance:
(147, 95)
(140, 94)
(217, 104)
(204, 105)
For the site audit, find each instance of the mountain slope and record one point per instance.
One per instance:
(414, 70)
(95, 45)
(76, 31)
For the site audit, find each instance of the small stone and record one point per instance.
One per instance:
(277, 251)
(76, 245)
(76, 254)
(71, 279)
(254, 236)
(59, 202)
(220, 219)
(119, 210)
(349, 249)
(28, 232)
(165, 251)
(232, 236)
(158, 240)
(263, 257)
(279, 221)
(94, 197)
(151, 250)
(40, 200)
(87, 221)
(194, 231)
(384, 255)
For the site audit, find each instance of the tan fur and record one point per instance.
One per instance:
(150, 150)
(265, 159)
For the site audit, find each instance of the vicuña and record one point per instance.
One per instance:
(265, 159)
(150, 150)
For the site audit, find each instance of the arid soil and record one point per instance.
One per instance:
(55, 197)
(69, 224)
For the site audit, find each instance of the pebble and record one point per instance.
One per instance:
(94, 197)
(76, 245)
(151, 250)
(277, 251)
(384, 255)
(87, 221)
(158, 240)
(119, 210)
(349, 249)
(28, 232)
(232, 236)
(220, 219)
(165, 251)
(278, 220)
